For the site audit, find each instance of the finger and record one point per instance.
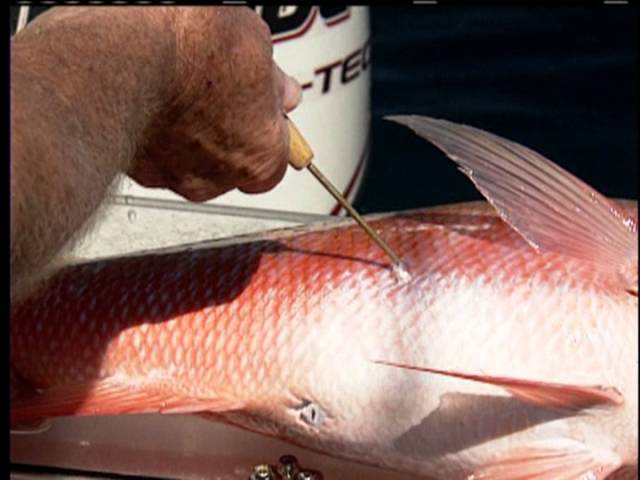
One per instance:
(197, 189)
(275, 166)
(148, 177)
(268, 183)
(292, 94)
(264, 30)
(290, 88)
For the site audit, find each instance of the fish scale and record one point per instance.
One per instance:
(57, 327)
(491, 355)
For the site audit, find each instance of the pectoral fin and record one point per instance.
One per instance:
(111, 398)
(551, 395)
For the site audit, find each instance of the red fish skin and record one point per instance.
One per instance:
(264, 322)
(105, 301)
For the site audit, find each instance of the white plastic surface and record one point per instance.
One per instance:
(171, 446)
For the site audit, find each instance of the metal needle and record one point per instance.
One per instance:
(300, 157)
(356, 216)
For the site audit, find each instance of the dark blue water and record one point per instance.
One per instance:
(563, 81)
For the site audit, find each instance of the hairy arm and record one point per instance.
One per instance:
(78, 114)
(185, 98)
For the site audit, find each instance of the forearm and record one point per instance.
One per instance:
(82, 93)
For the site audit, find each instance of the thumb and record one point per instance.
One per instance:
(291, 90)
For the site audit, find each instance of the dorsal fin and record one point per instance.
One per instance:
(549, 207)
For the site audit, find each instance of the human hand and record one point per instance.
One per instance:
(224, 126)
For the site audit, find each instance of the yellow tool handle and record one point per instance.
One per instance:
(300, 153)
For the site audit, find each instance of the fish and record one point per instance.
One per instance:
(511, 351)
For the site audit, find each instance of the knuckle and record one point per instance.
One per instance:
(280, 172)
(266, 171)
(196, 189)
(196, 196)
(185, 193)
(147, 179)
(258, 170)
(254, 27)
(261, 27)
(264, 29)
(263, 37)
(276, 174)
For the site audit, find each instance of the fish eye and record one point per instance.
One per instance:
(311, 414)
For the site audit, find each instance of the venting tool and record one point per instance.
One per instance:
(300, 156)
